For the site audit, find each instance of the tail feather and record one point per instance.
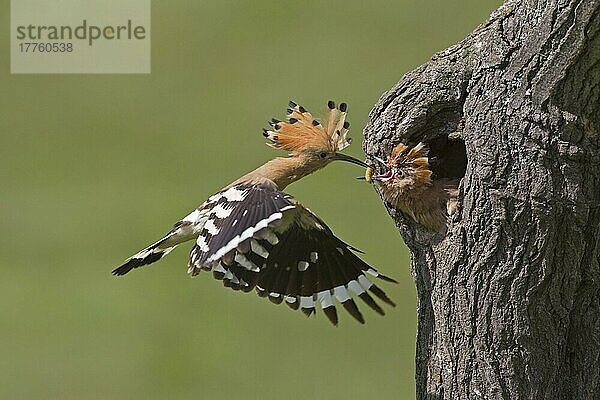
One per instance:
(181, 232)
(150, 254)
(144, 257)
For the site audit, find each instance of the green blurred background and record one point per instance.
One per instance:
(94, 167)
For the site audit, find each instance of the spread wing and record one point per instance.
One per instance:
(257, 237)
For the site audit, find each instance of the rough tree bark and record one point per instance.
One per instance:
(508, 297)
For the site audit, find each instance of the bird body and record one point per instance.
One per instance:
(408, 185)
(252, 235)
(431, 205)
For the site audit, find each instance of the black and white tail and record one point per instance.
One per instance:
(150, 254)
(182, 231)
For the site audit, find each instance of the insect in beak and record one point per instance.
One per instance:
(368, 175)
(369, 172)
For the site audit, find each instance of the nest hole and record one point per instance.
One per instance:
(448, 158)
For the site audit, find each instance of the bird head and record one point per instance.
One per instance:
(316, 143)
(406, 168)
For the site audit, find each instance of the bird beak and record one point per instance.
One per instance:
(380, 160)
(386, 176)
(344, 157)
(369, 177)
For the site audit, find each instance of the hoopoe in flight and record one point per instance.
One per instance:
(252, 235)
(407, 184)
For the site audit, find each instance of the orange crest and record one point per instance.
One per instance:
(403, 157)
(302, 130)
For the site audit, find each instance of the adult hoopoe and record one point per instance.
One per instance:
(254, 236)
(407, 184)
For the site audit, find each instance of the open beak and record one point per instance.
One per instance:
(369, 176)
(386, 176)
(350, 159)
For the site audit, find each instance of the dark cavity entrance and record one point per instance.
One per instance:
(449, 158)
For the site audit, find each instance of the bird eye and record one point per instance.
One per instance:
(399, 172)
(323, 155)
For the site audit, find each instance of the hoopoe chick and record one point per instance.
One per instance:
(253, 236)
(407, 184)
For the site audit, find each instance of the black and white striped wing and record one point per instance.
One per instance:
(238, 215)
(267, 241)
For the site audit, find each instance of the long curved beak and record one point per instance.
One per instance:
(350, 159)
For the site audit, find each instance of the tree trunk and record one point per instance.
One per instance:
(508, 297)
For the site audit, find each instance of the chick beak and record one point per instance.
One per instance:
(380, 160)
(386, 176)
(372, 177)
(350, 159)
